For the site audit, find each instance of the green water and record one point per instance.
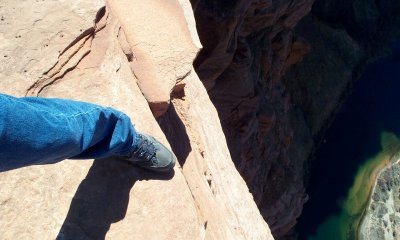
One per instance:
(344, 226)
(358, 143)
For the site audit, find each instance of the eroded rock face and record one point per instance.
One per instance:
(273, 116)
(57, 51)
(248, 45)
(344, 40)
(161, 56)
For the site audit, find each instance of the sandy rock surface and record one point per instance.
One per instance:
(83, 51)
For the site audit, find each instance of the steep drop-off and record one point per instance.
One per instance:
(271, 117)
(274, 115)
(135, 56)
(248, 45)
(345, 36)
(354, 149)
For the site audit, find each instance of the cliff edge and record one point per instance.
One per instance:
(137, 57)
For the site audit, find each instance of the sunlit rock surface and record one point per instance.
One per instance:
(85, 51)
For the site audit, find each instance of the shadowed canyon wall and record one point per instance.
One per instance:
(272, 114)
(248, 45)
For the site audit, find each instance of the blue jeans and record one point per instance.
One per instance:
(36, 130)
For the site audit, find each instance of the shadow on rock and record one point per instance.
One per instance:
(176, 133)
(102, 198)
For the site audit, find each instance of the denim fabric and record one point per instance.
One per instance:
(36, 130)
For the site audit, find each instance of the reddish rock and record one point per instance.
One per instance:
(248, 46)
(157, 34)
(206, 198)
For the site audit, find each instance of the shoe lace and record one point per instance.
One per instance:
(146, 152)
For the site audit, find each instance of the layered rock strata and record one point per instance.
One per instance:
(55, 51)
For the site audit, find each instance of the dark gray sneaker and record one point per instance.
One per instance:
(152, 155)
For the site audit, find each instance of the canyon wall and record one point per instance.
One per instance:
(345, 37)
(131, 55)
(248, 45)
(277, 79)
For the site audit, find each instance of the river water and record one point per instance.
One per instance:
(356, 146)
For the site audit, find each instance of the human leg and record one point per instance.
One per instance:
(40, 131)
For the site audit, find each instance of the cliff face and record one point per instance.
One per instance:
(274, 111)
(139, 54)
(345, 37)
(134, 57)
(248, 45)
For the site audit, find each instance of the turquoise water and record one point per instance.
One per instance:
(345, 224)
(358, 143)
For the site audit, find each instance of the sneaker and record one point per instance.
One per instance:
(152, 155)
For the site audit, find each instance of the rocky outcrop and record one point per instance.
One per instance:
(56, 51)
(272, 114)
(157, 64)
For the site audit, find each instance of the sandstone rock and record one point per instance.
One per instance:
(163, 51)
(274, 115)
(205, 176)
(55, 51)
(248, 45)
(80, 197)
